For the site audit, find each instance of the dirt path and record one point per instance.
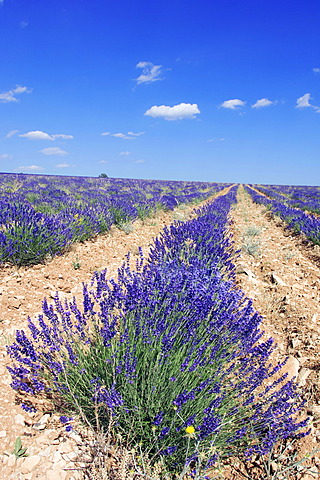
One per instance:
(282, 276)
(51, 450)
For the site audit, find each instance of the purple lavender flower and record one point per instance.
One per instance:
(158, 418)
(65, 419)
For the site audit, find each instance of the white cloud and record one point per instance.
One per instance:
(316, 70)
(121, 135)
(221, 139)
(150, 73)
(304, 101)
(11, 133)
(39, 135)
(233, 104)
(53, 151)
(139, 161)
(64, 165)
(135, 134)
(124, 136)
(29, 168)
(177, 112)
(36, 135)
(124, 153)
(10, 95)
(62, 136)
(103, 161)
(24, 23)
(5, 156)
(263, 102)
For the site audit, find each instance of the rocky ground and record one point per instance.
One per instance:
(280, 272)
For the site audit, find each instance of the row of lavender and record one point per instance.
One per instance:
(306, 198)
(297, 220)
(41, 216)
(170, 356)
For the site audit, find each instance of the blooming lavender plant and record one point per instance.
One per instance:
(298, 221)
(171, 354)
(41, 216)
(303, 197)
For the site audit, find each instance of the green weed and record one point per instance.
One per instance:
(19, 451)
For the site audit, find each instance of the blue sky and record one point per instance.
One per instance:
(220, 90)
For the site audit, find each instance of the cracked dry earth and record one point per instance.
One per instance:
(279, 272)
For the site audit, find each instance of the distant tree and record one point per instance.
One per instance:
(103, 175)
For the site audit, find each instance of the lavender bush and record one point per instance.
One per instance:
(298, 221)
(42, 215)
(27, 236)
(170, 355)
(304, 197)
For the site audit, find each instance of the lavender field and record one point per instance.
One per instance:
(41, 216)
(299, 207)
(170, 356)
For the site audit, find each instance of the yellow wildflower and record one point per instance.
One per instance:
(190, 430)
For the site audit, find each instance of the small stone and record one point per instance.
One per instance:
(65, 448)
(45, 452)
(19, 419)
(303, 375)
(3, 433)
(30, 463)
(314, 318)
(274, 466)
(61, 464)
(276, 279)
(281, 346)
(42, 423)
(314, 410)
(292, 367)
(52, 475)
(15, 302)
(69, 457)
(295, 342)
(20, 297)
(312, 474)
(56, 457)
(19, 462)
(11, 460)
(6, 380)
(75, 436)
(6, 279)
(248, 272)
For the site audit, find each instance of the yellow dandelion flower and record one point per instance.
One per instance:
(190, 430)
